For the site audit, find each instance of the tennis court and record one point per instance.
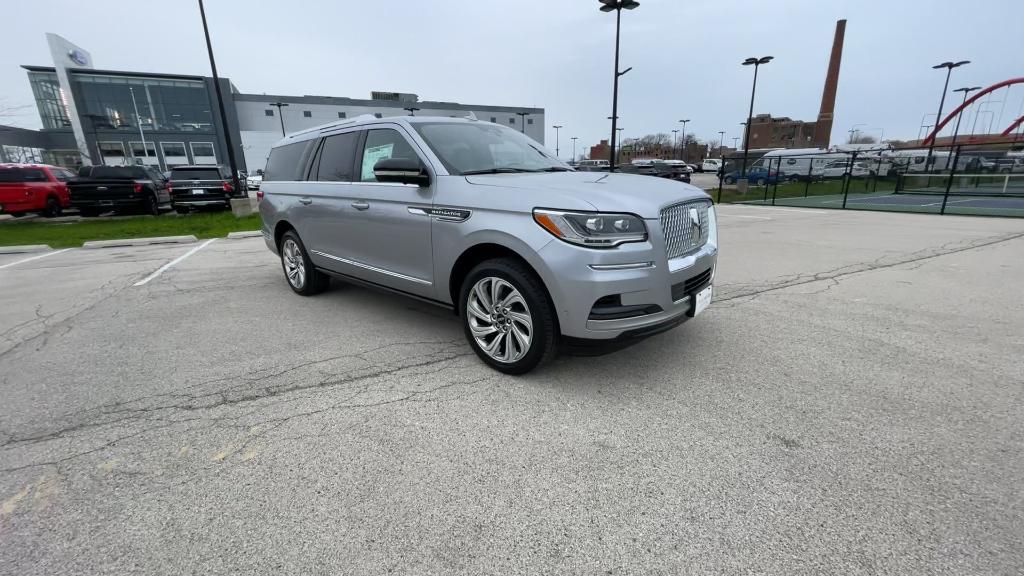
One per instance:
(974, 194)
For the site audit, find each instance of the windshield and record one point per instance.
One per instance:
(480, 148)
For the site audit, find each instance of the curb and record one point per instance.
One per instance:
(139, 242)
(26, 249)
(246, 234)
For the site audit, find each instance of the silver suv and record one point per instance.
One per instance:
(533, 256)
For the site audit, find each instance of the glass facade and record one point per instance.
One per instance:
(164, 105)
(50, 99)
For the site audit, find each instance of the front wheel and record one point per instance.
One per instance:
(507, 317)
(151, 206)
(302, 276)
(730, 180)
(761, 182)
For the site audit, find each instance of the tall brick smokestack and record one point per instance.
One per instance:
(823, 127)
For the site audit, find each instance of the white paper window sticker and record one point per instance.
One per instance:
(373, 155)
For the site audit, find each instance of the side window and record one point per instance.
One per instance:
(337, 156)
(288, 162)
(381, 145)
(34, 175)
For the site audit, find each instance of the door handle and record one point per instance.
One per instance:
(306, 201)
(361, 205)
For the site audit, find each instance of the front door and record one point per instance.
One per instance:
(381, 240)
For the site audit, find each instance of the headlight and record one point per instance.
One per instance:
(592, 229)
(712, 226)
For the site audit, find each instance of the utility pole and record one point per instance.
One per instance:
(574, 139)
(684, 152)
(756, 62)
(522, 116)
(556, 127)
(617, 6)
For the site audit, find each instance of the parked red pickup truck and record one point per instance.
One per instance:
(39, 188)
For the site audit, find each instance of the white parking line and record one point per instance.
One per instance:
(31, 258)
(167, 266)
(742, 216)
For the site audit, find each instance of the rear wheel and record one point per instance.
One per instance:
(730, 180)
(302, 276)
(507, 317)
(151, 206)
(761, 182)
(52, 207)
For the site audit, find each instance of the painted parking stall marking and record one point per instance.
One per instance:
(172, 263)
(31, 258)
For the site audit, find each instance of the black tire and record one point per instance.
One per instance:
(761, 182)
(313, 281)
(730, 180)
(182, 209)
(543, 345)
(52, 209)
(151, 206)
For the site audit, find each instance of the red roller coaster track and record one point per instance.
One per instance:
(952, 115)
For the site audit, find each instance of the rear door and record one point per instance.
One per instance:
(387, 231)
(325, 208)
(12, 189)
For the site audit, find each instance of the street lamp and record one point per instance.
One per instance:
(674, 132)
(735, 142)
(220, 102)
(412, 110)
(138, 120)
(556, 127)
(574, 139)
(854, 132)
(617, 6)
(721, 142)
(757, 62)
(966, 90)
(280, 113)
(938, 117)
(522, 116)
(683, 145)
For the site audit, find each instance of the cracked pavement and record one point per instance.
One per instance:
(852, 402)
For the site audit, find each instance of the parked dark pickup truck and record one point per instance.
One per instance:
(200, 186)
(101, 189)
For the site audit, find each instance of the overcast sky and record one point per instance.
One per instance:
(556, 54)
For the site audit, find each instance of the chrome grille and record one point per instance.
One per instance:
(679, 230)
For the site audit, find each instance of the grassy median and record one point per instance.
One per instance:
(72, 234)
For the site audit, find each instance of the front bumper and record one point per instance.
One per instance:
(585, 275)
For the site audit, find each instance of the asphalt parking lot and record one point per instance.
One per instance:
(851, 403)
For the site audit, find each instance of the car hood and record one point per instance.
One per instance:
(644, 196)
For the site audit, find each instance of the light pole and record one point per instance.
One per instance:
(220, 102)
(522, 116)
(854, 132)
(682, 146)
(735, 140)
(574, 139)
(280, 114)
(557, 127)
(412, 110)
(757, 62)
(617, 6)
(138, 120)
(966, 90)
(721, 142)
(938, 116)
(674, 132)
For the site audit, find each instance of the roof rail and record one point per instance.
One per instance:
(332, 125)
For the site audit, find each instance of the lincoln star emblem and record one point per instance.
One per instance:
(695, 224)
(77, 57)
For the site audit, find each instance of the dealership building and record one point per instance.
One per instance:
(112, 117)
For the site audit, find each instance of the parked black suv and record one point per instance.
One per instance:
(101, 189)
(201, 187)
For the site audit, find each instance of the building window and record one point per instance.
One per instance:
(377, 115)
(165, 104)
(512, 121)
(174, 154)
(529, 120)
(202, 153)
(113, 154)
(494, 120)
(307, 114)
(268, 112)
(341, 115)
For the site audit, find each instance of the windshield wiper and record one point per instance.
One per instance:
(556, 169)
(496, 171)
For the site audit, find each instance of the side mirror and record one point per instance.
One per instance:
(401, 170)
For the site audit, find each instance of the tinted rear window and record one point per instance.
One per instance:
(288, 162)
(9, 175)
(119, 172)
(195, 174)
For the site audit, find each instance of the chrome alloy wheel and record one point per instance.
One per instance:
(294, 265)
(499, 319)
